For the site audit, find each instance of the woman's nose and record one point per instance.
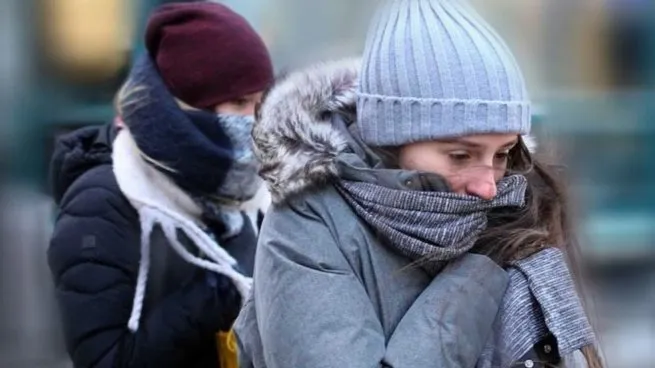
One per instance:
(483, 185)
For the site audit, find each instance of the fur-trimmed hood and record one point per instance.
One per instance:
(295, 138)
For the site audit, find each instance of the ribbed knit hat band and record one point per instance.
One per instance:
(435, 69)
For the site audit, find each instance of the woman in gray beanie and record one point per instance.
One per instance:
(412, 226)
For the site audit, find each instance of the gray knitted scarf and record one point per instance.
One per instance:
(429, 227)
(433, 227)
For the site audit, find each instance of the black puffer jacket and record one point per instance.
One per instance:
(94, 258)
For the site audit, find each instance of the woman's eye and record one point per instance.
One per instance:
(459, 157)
(502, 156)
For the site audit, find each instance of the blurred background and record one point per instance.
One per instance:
(591, 70)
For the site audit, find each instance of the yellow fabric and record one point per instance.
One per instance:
(227, 349)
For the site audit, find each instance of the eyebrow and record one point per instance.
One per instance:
(471, 144)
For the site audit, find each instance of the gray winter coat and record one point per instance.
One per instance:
(327, 292)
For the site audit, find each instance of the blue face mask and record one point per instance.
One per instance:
(242, 181)
(232, 133)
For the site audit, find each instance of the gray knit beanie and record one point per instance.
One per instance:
(435, 69)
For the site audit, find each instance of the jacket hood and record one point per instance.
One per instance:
(294, 137)
(76, 153)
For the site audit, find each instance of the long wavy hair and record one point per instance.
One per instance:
(545, 221)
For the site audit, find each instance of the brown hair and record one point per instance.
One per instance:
(545, 221)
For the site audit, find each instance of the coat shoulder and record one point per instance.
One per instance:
(96, 193)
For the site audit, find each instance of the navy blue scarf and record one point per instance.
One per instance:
(196, 149)
(208, 156)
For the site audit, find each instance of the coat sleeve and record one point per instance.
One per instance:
(313, 311)
(93, 256)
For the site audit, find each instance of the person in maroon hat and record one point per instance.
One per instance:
(153, 251)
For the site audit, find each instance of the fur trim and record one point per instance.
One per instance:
(160, 202)
(294, 139)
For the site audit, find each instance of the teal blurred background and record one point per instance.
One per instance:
(590, 65)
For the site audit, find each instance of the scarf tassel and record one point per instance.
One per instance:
(220, 261)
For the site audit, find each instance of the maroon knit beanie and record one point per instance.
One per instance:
(207, 54)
